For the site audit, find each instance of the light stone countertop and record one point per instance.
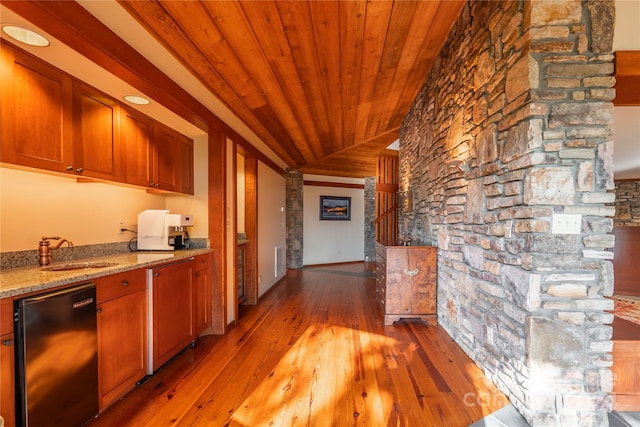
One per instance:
(20, 281)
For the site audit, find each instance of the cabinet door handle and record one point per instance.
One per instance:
(411, 272)
(7, 343)
(69, 168)
(125, 283)
(79, 170)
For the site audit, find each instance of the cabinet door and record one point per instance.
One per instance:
(172, 160)
(411, 281)
(36, 112)
(165, 158)
(7, 349)
(136, 132)
(172, 311)
(422, 271)
(201, 294)
(122, 345)
(185, 166)
(7, 381)
(96, 134)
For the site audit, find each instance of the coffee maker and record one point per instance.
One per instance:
(160, 230)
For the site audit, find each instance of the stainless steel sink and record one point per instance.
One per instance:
(78, 266)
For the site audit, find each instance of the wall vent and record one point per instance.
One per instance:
(278, 267)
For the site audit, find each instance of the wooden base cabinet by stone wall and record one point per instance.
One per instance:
(406, 282)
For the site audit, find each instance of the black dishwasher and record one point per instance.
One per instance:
(56, 358)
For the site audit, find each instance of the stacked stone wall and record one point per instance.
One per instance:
(369, 218)
(295, 218)
(627, 204)
(511, 127)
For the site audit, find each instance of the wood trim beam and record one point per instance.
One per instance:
(247, 150)
(251, 228)
(73, 25)
(334, 184)
(627, 64)
(382, 187)
(389, 153)
(81, 31)
(217, 228)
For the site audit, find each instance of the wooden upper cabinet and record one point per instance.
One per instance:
(136, 133)
(36, 114)
(53, 122)
(96, 134)
(165, 159)
(185, 166)
(172, 162)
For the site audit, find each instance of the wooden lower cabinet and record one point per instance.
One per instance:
(172, 310)
(7, 363)
(202, 292)
(626, 366)
(122, 334)
(406, 282)
(7, 392)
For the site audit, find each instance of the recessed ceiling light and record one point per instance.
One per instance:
(134, 99)
(25, 36)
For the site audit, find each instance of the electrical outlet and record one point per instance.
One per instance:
(566, 224)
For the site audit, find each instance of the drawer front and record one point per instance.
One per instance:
(202, 262)
(120, 284)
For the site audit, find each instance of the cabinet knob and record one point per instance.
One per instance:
(411, 272)
(156, 274)
(7, 343)
(197, 275)
(99, 311)
(125, 283)
(79, 170)
(69, 168)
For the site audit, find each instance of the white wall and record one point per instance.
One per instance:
(33, 205)
(328, 242)
(240, 213)
(272, 230)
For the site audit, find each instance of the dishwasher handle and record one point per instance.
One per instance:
(83, 303)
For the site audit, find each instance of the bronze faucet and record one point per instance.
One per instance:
(44, 256)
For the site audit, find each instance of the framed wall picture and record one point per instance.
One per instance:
(335, 208)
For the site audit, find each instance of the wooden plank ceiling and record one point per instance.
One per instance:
(326, 84)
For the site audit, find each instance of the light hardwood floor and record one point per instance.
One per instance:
(314, 352)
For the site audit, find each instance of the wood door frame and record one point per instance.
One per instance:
(251, 226)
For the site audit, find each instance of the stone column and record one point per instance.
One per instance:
(294, 218)
(369, 217)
